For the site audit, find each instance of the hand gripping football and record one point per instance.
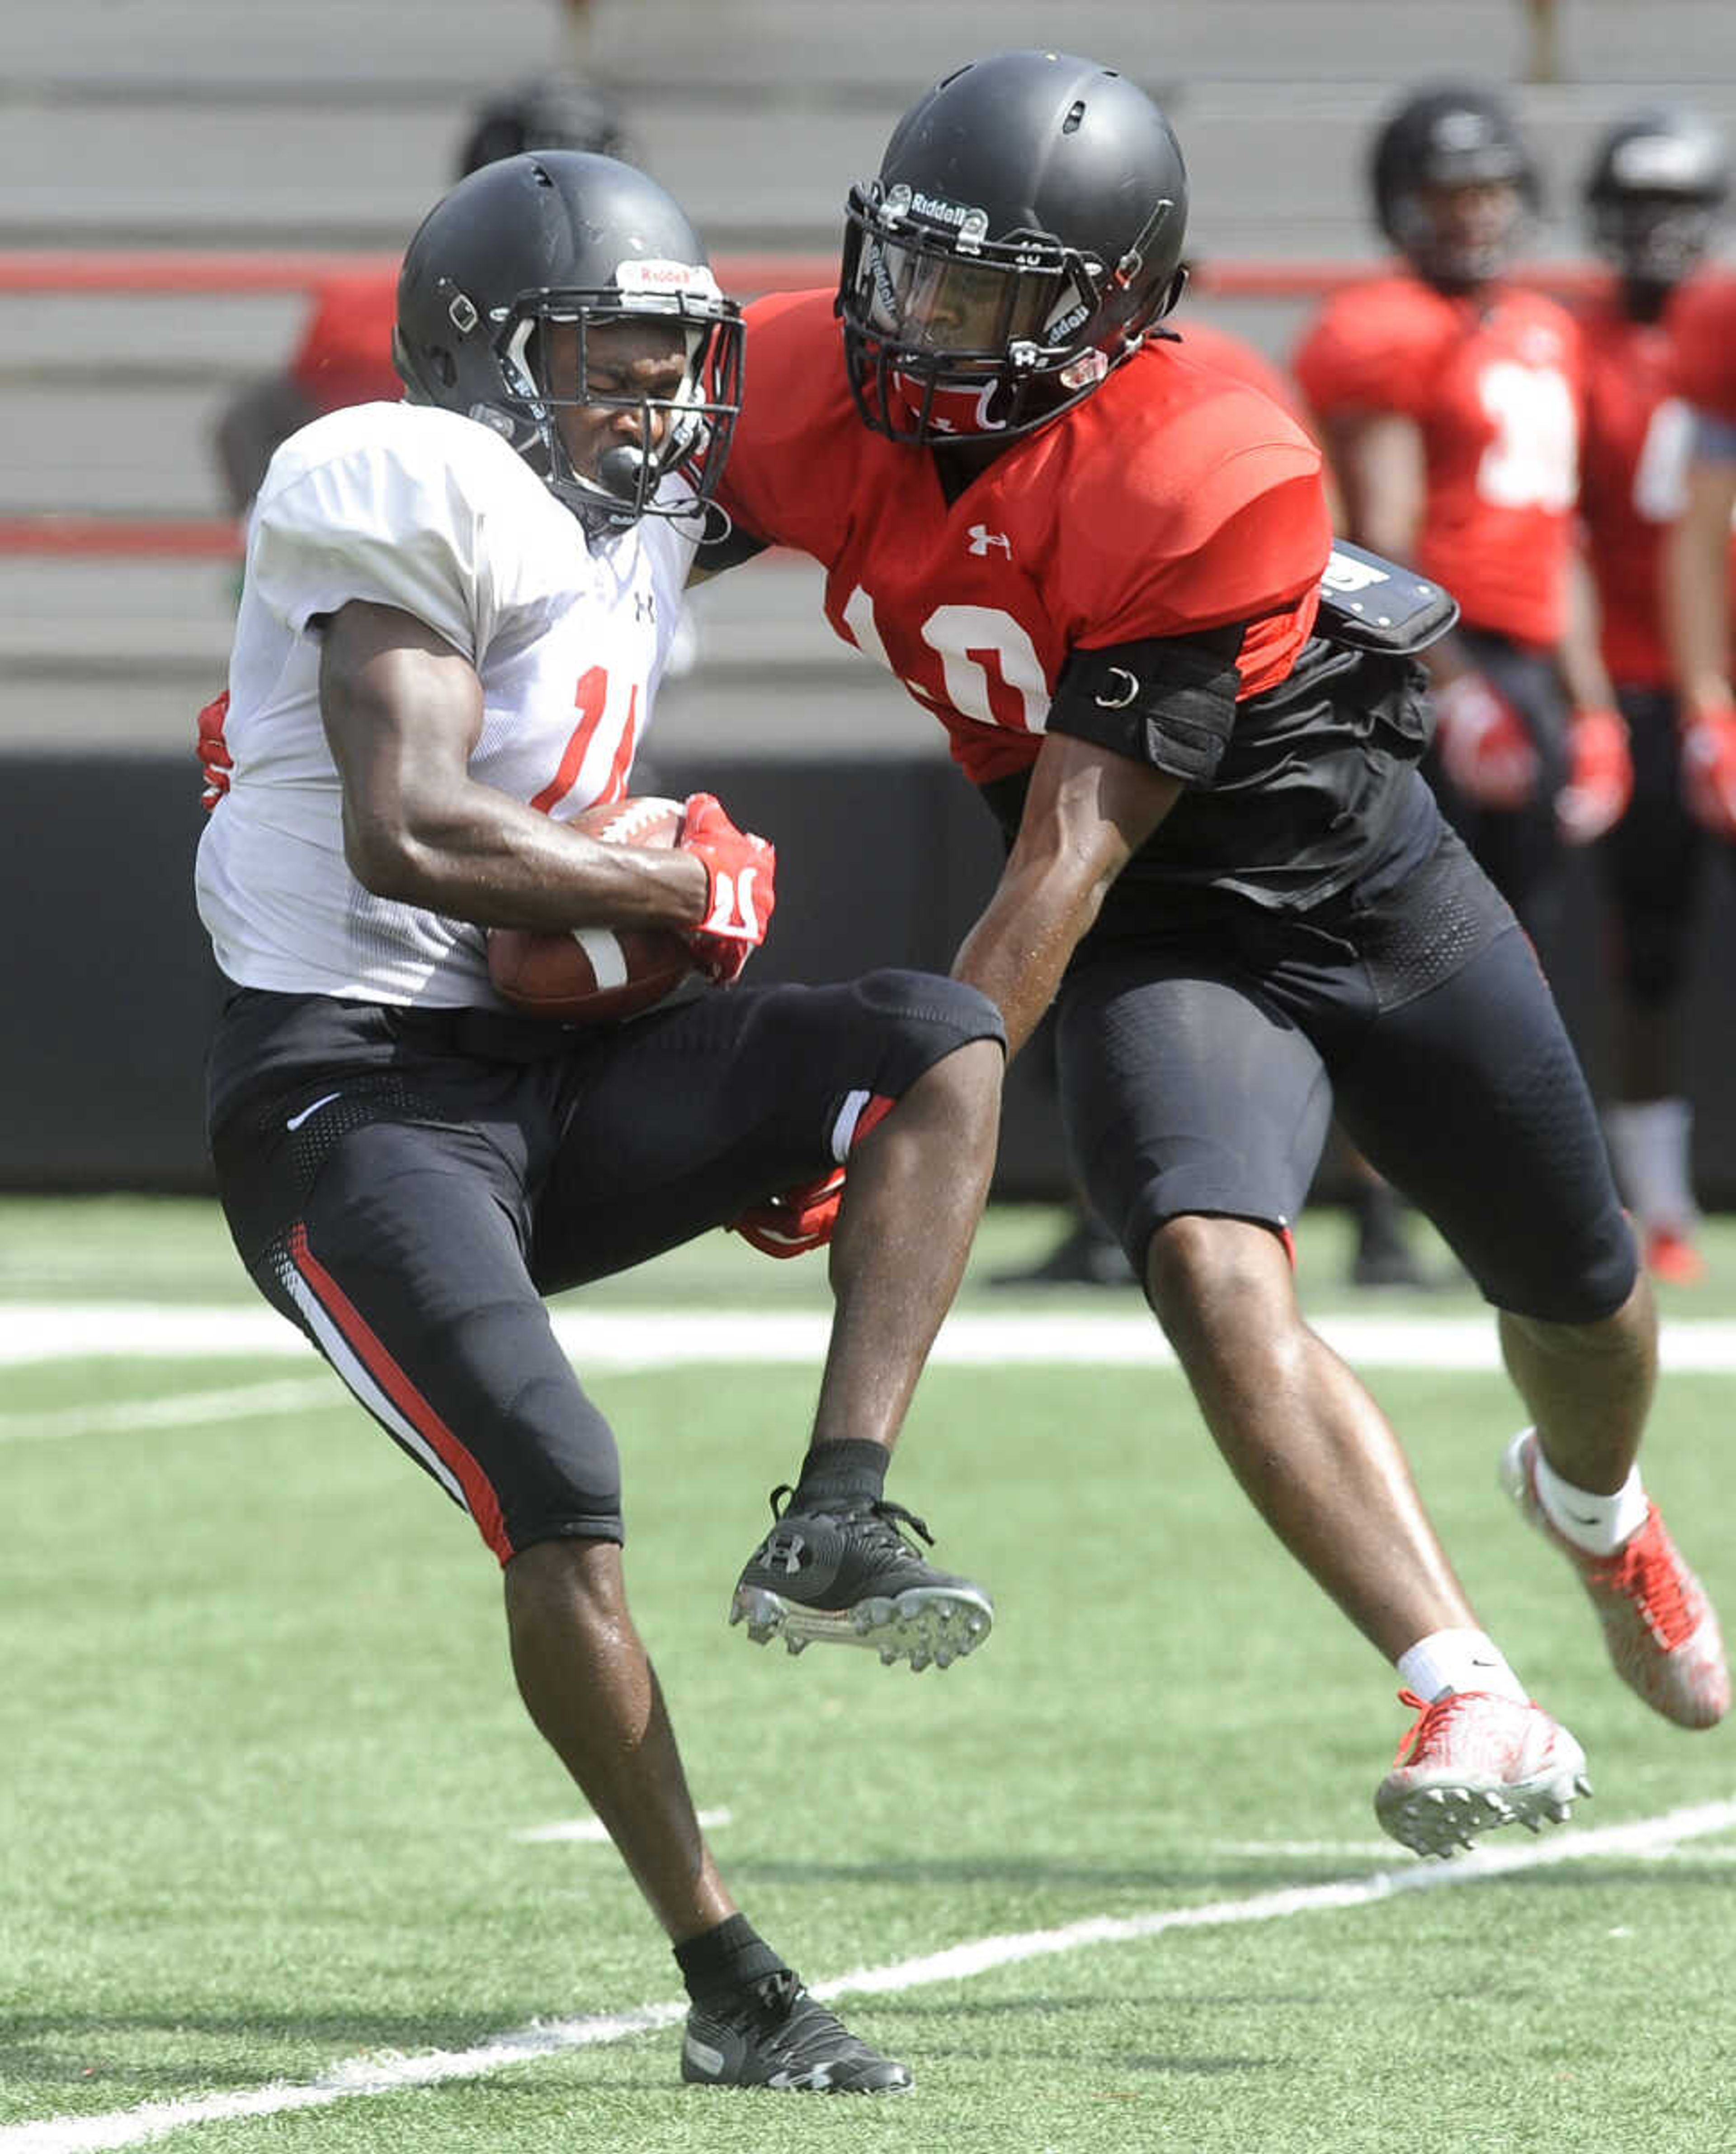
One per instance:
(597, 975)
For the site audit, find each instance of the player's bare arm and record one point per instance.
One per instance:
(1087, 812)
(1696, 607)
(1376, 461)
(1583, 672)
(403, 713)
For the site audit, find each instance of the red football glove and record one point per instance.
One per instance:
(803, 1219)
(1600, 781)
(1485, 749)
(799, 1220)
(215, 760)
(740, 891)
(1708, 769)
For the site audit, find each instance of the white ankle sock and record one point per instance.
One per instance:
(1649, 1143)
(1458, 1660)
(1599, 1525)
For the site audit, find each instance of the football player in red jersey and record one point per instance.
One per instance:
(1699, 603)
(1450, 402)
(1108, 572)
(1697, 586)
(1382, 1256)
(1656, 183)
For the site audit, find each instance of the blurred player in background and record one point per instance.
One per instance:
(1108, 571)
(1656, 183)
(456, 612)
(1697, 594)
(1450, 403)
(343, 354)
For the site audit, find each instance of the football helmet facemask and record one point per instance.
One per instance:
(1440, 143)
(1024, 236)
(565, 236)
(1657, 182)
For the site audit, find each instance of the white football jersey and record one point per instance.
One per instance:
(407, 506)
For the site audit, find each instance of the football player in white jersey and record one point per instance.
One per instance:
(455, 613)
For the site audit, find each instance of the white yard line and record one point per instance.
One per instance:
(365, 2075)
(176, 1410)
(594, 1831)
(630, 1338)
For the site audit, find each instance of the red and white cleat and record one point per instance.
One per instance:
(1661, 1631)
(1672, 1257)
(1472, 1761)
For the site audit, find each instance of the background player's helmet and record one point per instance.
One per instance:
(551, 112)
(1656, 183)
(1023, 235)
(1456, 136)
(560, 236)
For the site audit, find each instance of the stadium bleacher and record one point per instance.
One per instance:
(196, 124)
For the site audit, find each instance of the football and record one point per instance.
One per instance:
(597, 975)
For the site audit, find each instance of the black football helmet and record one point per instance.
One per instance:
(1656, 183)
(549, 112)
(1455, 135)
(560, 236)
(1023, 235)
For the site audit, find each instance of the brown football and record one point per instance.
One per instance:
(597, 975)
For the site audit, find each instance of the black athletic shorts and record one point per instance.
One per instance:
(406, 1185)
(1520, 848)
(1652, 864)
(1201, 1063)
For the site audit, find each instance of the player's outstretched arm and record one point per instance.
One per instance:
(1088, 810)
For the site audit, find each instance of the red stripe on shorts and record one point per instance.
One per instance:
(359, 1334)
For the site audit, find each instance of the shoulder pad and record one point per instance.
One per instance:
(1376, 604)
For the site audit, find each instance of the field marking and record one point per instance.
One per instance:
(593, 1830)
(1345, 1850)
(365, 2075)
(627, 1339)
(177, 1410)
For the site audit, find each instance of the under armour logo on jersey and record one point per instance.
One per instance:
(645, 606)
(981, 538)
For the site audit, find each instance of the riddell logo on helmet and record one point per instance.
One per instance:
(904, 200)
(656, 275)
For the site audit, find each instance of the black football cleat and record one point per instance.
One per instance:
(776, 2036)
(849, 1577)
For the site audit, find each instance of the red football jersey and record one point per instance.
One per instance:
(1494, 386)
(1218, 348)
(1703, 322)
(1632, 469)
(1172, 499)
(346, 353)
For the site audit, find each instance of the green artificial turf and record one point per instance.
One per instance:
(265, 1771)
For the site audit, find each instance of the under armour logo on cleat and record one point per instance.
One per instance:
(783, 1551)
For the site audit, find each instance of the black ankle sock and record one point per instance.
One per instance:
(851, 1472)
(723, 1961)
